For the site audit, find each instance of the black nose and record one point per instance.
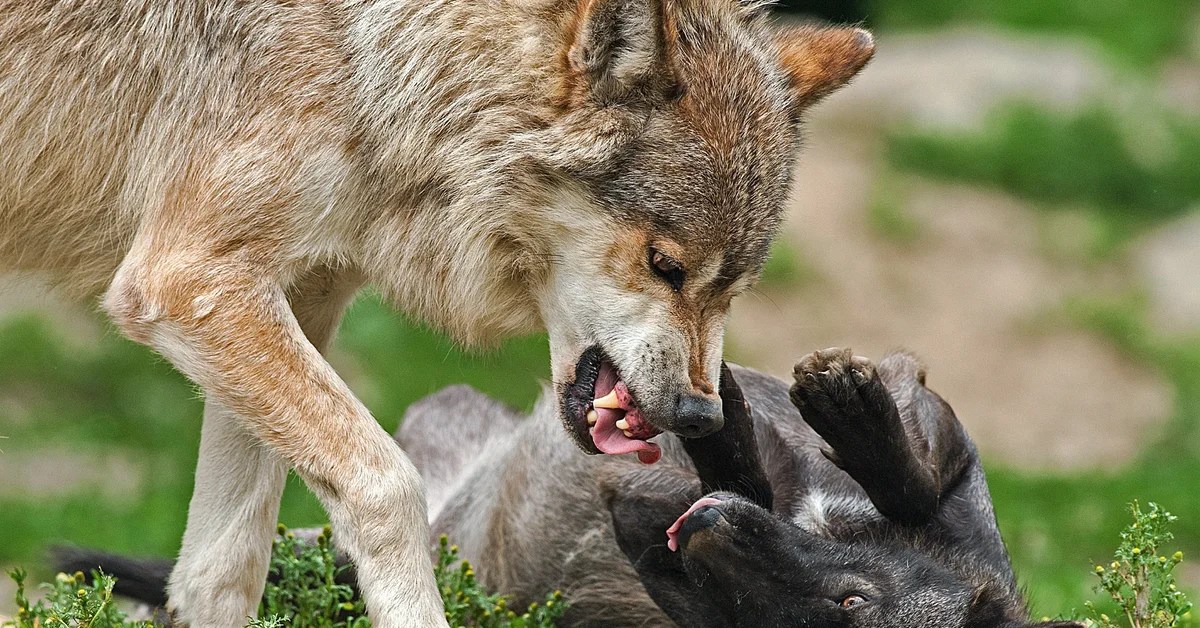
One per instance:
(702, 519)
(697, 416)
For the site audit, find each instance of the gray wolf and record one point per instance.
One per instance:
(225, 175)
(862, 502)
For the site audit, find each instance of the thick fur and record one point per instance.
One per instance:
(227, 174)
(876, 489)
(877, 492)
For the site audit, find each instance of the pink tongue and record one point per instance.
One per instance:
(673, 531)
(611, 440)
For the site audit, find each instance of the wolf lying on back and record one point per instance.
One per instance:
(902, 535)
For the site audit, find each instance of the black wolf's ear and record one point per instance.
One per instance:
(616, 47)
(820, 59)
(643, 505)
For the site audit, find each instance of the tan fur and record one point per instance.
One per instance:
(228, 173)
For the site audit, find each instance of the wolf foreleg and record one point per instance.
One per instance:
(231, 330)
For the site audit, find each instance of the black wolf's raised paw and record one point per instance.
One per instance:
(836, 390)
(830, 378)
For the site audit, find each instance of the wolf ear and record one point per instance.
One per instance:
(820, 59)
(643, 504)
(616, 46)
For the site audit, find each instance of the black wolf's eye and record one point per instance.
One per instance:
(668, 269)
(852, 600)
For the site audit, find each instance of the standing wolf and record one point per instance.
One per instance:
(228, 173)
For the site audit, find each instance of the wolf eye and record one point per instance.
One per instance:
(852, 600)
(667, 269)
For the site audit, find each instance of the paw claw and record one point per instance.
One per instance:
(832, 373)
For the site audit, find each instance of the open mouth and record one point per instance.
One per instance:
(602, 414)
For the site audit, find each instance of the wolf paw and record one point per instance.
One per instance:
(836, 390)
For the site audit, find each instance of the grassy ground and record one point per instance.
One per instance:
(1055, 524)
(1125, 177)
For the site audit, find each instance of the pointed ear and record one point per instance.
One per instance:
(616, 47)
(820, 59)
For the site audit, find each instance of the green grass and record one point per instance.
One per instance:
(785, 268)
(1083, 159)
(887, 213)
(1132, 31)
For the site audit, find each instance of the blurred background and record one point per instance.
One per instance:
(1010, 189)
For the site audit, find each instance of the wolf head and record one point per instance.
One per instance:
(737, 564)
(666, 173)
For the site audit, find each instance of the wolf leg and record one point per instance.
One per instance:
(226, 547)
(841, 396)
(222, 565)
(229, 326)
(728, 460)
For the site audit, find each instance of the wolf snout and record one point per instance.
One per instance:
(698, 415)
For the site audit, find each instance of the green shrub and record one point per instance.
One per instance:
(468, 604)
(70, 602)
(303, 593)
(1140, 580)
(1135, 32)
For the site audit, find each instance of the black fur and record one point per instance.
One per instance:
(901, 520)
(143, 579)
(729, 460)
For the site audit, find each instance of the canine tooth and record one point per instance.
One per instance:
(627, 433)
(623, 424)
(608, 401)
(591, 417)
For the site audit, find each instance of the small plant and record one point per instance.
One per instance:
(305, 592)
(469, 605)
(71, 602)
(302, 590)
(1139, 579)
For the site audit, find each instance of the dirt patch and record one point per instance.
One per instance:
(967, 295)
(1168, 260)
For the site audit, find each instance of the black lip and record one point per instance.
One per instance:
(575, 396)
(702, 519)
